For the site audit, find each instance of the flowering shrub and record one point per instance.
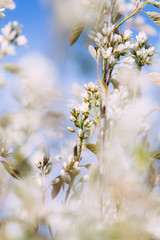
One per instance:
(105, 184)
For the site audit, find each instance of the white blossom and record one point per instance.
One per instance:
(127, 34)
(120, 48)
(21, 40)
(106, 53)
(142, 38)
(2, 15)
(7, 4)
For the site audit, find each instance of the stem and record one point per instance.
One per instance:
(43, 201)
(94, 107)
(80, 149)
(73, 177)
(69, 189)
(104, 71)
(50, 232)
(131, 14)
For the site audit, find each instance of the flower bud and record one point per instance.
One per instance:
(38, 164)
(80, 133)
(65, 177)
(70, 159)
(127, 34)
(70, 129)
(83, 117)
(46, 159)
(86, 122)
(48, 168)
(85, 136)
(73, 119)
(97, 104)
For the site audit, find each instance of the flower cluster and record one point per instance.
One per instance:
(70, 169)
(116, 102)
(112, 46)
(143, 52)
(43, 163)
(81, 112)
(11, 36)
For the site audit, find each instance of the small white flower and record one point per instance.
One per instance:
(70, 159)
(120, 48)
(142, 53)
(142, 38)
(117, 37)
(127, 34)
(6, 30)
(21, 40)
(106, 53)
(8, 48)
(112, 60)
(2, 15)
(84, 107)
(151, 51)
(85, 96)
(127, 45)
(65, 177)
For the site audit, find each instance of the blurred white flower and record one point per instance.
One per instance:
(127, 34)
(106, 53)
(84, 107)
(2, 15)
(7, 4)
(142, 38)
(39, 76)
(21, 40)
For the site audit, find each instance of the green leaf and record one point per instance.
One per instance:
(76, 32)
(92, 147)
(155, 17)
(13, 68)
(154, 78)
(9, 168)
(57, 184)
(92, 51)
(116, 17)
(94, 177)
(155, 154)
(92, 129)
(90, 166)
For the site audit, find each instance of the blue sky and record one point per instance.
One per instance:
(32, 16)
